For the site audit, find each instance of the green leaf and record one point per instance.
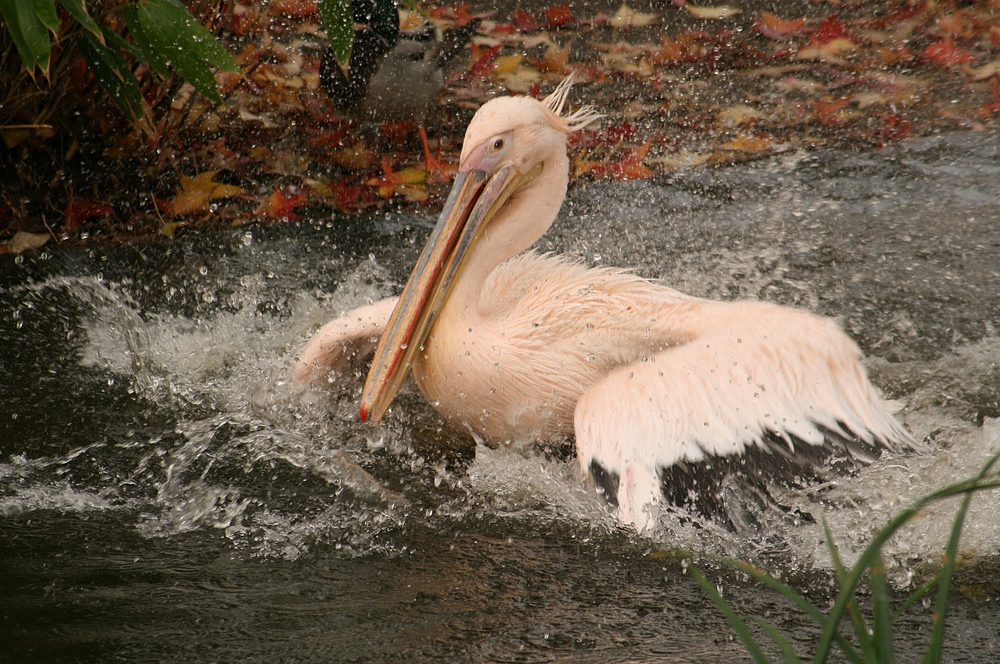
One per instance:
(45, 10)
(113, 74)
(852, 607)
(917, 594)
(783, 643)
(978, 483)
(195, 36)
(78, 11)
(882, 611)
(337, 18)
(877, 647)
(179, 40)
(29, 23)
(143, 48)
(734, 620)
(944, 586)
(795, 599)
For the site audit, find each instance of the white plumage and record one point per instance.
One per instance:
(522, 346)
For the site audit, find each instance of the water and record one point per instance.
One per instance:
(164, 495)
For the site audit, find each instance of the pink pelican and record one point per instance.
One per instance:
(521, 346)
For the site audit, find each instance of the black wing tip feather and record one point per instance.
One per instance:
(734, 490)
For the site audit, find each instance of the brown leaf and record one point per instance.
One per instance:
(555, 59)
(25, 241)
(626, 17)
(196, 193)
(711, 13)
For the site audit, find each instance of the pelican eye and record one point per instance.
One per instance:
(498, 143)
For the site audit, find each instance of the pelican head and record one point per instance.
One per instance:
(512, 145)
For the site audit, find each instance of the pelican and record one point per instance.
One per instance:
(520, 346)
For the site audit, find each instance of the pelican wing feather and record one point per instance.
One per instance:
(757, 376)
(343, 346)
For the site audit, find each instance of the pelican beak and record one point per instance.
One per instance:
(474, 199)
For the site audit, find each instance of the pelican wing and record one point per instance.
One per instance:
(344, 345)
(755, 376)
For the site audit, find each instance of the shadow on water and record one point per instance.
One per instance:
(164, 495)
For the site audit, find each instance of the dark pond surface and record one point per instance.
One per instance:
(165, 496)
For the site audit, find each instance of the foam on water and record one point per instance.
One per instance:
(239, 427)
(233, 365)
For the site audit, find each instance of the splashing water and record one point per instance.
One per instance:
(159, 399)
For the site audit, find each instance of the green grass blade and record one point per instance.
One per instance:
(917, 594)
(978, 483)
(783, 644)
(797, 600)
(944, 586)
(734, 620)
(851, 606)
(882, 612)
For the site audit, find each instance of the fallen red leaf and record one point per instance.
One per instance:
(558, 15)
(243, 19)
(524, 21)
(502, 30)
(944, 53)
(989, 108)
(629, 167)
(892, 127)
(281, 204)
(670, 52)
(621, 133)
(829, 29)
(397, 132)
(327, 139)
(79, 210)
(483, 58)
(294, 8)
(830, 111)
(588, 138)
(773, 27)
(458, 13)
(227, 81)
(354, 197)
